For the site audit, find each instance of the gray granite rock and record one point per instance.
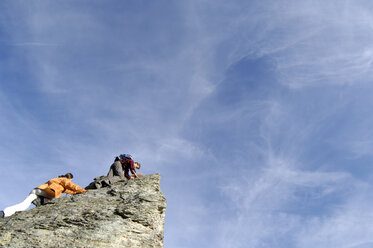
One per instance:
(128, 214)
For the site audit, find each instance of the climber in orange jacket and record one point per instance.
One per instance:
(54, 188)
(57, 186)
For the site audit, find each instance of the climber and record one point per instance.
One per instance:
(119, 170)
(54, 188)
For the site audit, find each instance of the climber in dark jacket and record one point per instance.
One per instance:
(119, 170)
(120, 165)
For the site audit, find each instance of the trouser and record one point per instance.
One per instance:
(26, 202)
(115, 173)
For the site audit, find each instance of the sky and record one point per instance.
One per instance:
(256, 113)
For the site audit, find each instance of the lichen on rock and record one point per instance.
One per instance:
(128, 214)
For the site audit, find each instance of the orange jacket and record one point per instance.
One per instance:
(57, 186)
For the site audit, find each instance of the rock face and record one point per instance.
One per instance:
(128, 214)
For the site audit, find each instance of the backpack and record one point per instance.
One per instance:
(123, 156)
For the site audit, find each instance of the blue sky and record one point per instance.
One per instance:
(257, 114)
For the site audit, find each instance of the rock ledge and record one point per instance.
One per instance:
(129, 214)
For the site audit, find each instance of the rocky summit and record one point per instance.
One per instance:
(127, 214)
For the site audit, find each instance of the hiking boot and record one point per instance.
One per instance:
(92, 185)
(105, 184)
(2, 214)
(38, 201)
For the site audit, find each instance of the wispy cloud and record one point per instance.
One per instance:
(348, 227)
(31, 44)
(271, 206)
